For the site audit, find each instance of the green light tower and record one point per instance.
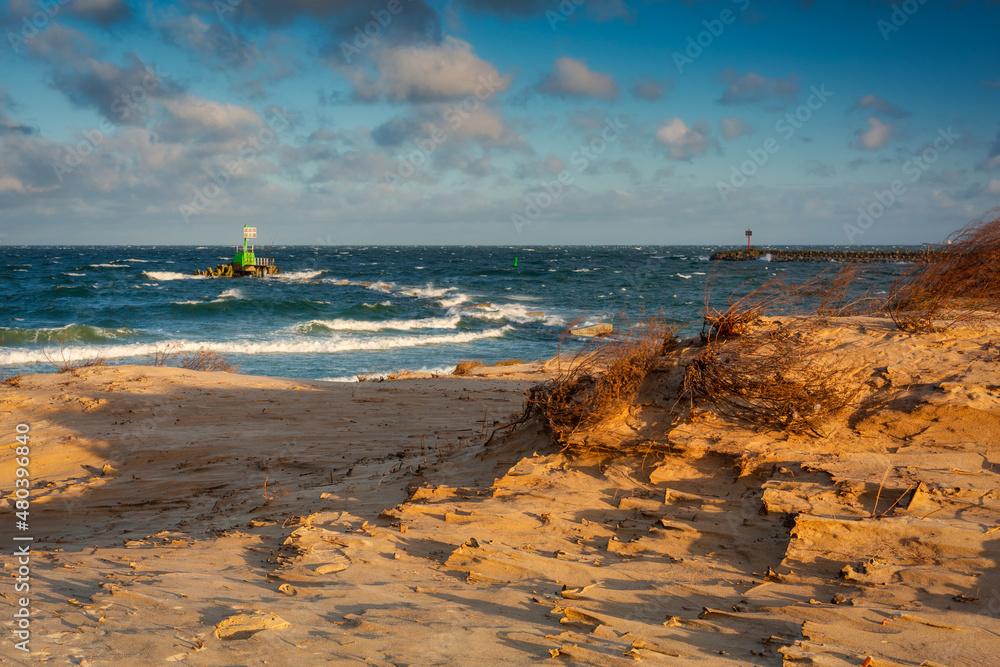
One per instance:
(246, 258)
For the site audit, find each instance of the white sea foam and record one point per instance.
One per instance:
(233, 293)
(144, 261)
(512, 312)
(298, 275)
(454, 300)
(440, 370)
(681, 275)
(428, 292)
(171, 275)
(298, 345)
(374, 325)
(74, 274)
(107, 266)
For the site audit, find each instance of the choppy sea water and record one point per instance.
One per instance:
(415, 308)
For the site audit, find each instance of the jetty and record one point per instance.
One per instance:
(246, 262)
(846, 256)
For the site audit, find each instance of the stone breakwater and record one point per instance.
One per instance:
(886, 256)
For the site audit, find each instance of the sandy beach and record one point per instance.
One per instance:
(219, 519)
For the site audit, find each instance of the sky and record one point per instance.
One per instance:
(516, 122)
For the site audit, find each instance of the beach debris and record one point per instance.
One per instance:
(593, 330)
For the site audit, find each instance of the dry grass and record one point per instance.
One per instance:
(161, 356)
(66, 364)
(829, 294)
(764, 375)
(834, 297)
(13, 380)
(509, 362)
(599, 382)
(202, 359)
(770, 378)
(959, 282)
(463, 367)
(205, 359)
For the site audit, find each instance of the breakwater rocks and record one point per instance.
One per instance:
(886, 256)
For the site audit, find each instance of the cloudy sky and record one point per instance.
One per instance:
(497, 121)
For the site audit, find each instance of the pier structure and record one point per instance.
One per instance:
(884, 256)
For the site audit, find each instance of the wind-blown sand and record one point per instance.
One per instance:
(389, 534)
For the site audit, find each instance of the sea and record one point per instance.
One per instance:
(337, 312)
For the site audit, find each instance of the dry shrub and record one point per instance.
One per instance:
(509, 362)
(66, 364)
(743, 312)
(770, 378)
(13, 380)
(161, 356)
(829, 293)
(600, 381)
(463, 367)
(834, 297)
(206, 359)
(959, 282)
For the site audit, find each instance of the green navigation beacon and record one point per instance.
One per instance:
(246, 262)
(246, 258)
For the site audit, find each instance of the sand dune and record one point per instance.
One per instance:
(388, 533)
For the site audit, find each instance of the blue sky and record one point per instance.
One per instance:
(491, 122)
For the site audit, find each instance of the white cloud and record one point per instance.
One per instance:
(446, 71)
(733, 127)
(683, 141)
(572, 78)
(878, 105)
(752, 87)
(876, 136)
(194, 118)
